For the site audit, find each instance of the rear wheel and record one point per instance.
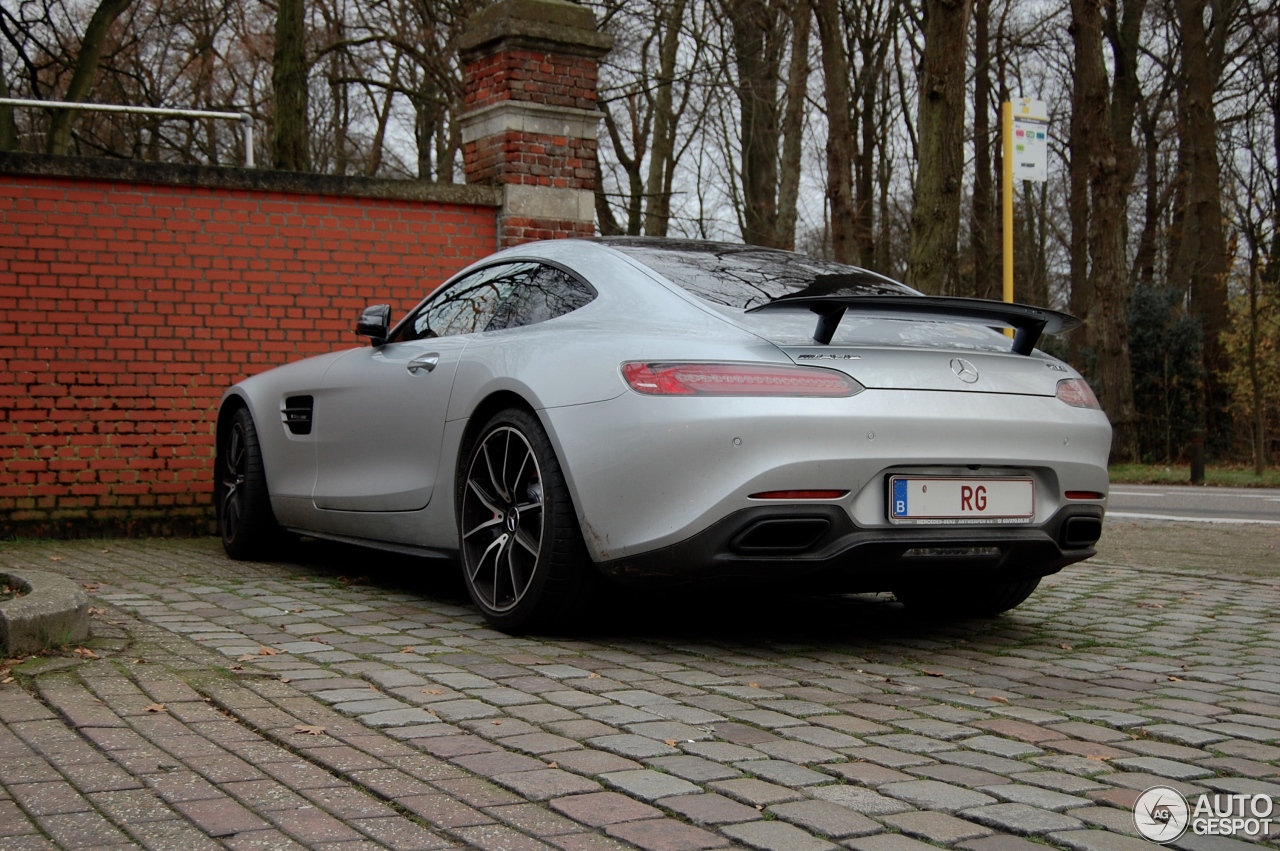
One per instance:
(245, 521)
(958, 601)
(523, 558)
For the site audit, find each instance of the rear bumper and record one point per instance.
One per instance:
(822, 543)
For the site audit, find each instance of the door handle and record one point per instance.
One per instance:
(427, 362)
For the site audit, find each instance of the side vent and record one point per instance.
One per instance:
(297, 413)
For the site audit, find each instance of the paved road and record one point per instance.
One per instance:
(1204, 505)
(348, 701)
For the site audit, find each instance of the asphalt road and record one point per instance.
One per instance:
(1196, 504)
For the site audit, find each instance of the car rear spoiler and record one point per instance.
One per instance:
(1028, 322)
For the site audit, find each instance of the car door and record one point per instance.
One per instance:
(379, 418)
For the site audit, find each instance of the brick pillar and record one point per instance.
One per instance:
(529, 126)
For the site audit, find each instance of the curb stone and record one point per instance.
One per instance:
(51, 611)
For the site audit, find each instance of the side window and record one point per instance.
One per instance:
(545, 295)
(469, 304)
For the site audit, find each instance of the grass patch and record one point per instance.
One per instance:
(1180, 474)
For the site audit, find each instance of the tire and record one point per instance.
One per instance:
(246, 523)
(960, 601)
(523, 558)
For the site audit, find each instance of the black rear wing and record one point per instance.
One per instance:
(1029, 322)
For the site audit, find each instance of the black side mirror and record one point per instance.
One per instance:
(375, 323)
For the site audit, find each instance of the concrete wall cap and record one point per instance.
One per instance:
(557, 24)
(263, 180)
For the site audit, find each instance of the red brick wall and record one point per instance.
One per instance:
(126, 308)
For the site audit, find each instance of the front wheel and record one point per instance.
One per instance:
(960, 601)
(246, 523)
(523, 558)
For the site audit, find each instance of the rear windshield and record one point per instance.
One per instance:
(742, 276)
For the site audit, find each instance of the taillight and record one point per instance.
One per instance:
(1084, 495)
(736, 379)
(1077, 393)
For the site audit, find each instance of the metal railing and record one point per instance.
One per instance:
(245, 118)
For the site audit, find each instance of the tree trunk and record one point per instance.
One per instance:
(86, 67)
(8, 128)
(1201, 265)
(793, 126)
(755, 26)
(662, 153)
(289, 83)
(981, 228)
(935, 214)
(1108, 327)
(840, 136)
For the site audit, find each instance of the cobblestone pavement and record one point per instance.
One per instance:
(235, 705)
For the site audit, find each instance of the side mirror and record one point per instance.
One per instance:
(375, 323)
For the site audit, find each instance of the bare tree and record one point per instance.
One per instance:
(1104, 150)
(935, 216)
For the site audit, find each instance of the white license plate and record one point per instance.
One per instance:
(942, 501)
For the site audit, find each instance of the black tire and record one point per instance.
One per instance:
(966, 601)
(246, 523)
(523, 558)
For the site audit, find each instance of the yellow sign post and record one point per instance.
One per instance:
(1024, 131)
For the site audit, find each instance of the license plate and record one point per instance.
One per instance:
(945, 501)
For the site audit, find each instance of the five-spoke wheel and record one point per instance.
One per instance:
(245, 520)
(523, 559)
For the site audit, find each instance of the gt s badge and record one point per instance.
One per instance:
(829, 357)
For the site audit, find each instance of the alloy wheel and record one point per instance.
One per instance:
(502, 518)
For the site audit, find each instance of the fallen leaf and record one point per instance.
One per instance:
(1176, 679)
(157, 707)
(309, 729)
(432, 712)
(433, 691)
(116, 623)
(6, 680)
(58, 558)
(407, 649)
(932, 673)
(1099, 758)
(593, 676)
(372, 687)
(671, 743)
(998, 699)
(754, 685)
(139, 661)
(973, 691)
(95, 612)
(759, 806)
(1066, 647)
(285, 680)
(248, 657)
(86, 653)
(553, 765)
(496, 723)
(264, 650)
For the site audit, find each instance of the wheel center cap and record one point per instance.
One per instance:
(513, 519)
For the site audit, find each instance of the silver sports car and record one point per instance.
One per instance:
(662, 411)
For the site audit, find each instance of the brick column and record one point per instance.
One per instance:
(529, 82)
